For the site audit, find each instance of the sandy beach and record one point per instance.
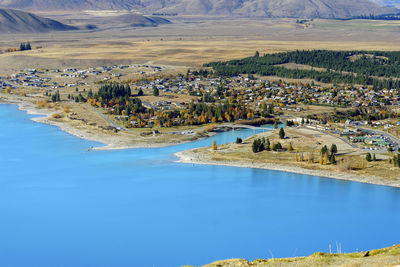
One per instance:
(192, 157)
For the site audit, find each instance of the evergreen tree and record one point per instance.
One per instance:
(28, 46)
(22, 47)
(282, 133)
(257, 146)
(156, 92)
(56, 97)
(277, 146)
(333, 149)
(324, 149)
(332, 159)
(268, 145)
(368, 157)
(140, 92)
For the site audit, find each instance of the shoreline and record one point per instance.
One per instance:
(189, 156)
(105, 142)
(186, 156)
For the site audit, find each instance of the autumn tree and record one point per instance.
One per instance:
(214, 145)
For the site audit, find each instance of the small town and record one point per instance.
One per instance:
(362, 115)
(199, 133)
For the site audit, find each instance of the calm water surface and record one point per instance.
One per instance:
(63, 206)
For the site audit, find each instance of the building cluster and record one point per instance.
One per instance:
(280, 94)
(55, 78)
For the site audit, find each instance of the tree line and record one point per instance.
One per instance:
(25, 46)
(351, 67)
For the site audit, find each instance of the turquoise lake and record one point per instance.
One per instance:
(62, 206)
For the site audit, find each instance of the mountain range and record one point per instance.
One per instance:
(248, 8)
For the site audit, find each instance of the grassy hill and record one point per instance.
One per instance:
(379, 257)
(15, 21)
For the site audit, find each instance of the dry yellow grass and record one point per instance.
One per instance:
(307, 144)
(198, 42)
(380, 257)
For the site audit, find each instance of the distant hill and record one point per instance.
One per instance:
(71, 4)
(391, 3)
(249, 8)
(133, 20)
(278, 8)
(15, 21)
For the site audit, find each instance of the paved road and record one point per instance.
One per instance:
(232, 125)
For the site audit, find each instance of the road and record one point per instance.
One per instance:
(107, 119)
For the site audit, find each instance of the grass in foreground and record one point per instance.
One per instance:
(389, 256)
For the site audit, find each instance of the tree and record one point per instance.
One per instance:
(7, 90)
(373, 157)
(333, 149)
(22, 47)
(140, 92)
(326, 157)
(277, 147)
(368, 157)
(270, 109)
(156, 92)
(28, 46)
(214, 145)
(332, 159)
(275, 125)
(324, 149)
(257, 54)
(268, 145)
(257, 146)
(282, 133)
(56, 97)
(239, 140)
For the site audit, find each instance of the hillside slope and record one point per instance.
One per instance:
(15, 21)
(278, 8)
(379, 257)
(71, 4)
(249, 8)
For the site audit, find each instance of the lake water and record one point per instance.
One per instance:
(61, 205)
